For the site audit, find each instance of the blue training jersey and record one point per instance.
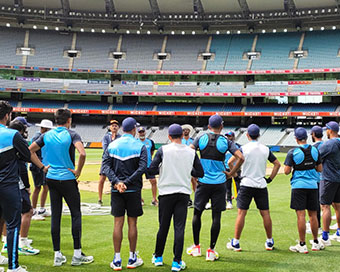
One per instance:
(187, 142)
(150, 147)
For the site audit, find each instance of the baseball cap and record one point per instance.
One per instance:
(129, 124)
(332, 125)
(253, 130)
(300, 133)
(175, 129)
(45, 123)
(114, 122)
(230, 133)
(215, 121)
(141, 129)
(22, 120)
(317, 130)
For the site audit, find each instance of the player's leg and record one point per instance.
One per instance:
(239, 223)
(229, 183)
(38, 179)
(101, 182)
(43, 198)
(153, 182)
(301, 224)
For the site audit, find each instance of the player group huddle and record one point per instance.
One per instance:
(315, 182)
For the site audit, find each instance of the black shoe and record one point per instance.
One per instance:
(100, 202)
(190, 204)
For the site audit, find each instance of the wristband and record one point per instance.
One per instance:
(42, 168)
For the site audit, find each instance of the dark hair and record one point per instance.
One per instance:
(253, 137)
(62, 115)
(176, 136)
(5, 108)
(17, 126)
(318, 135)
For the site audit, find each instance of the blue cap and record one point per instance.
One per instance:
(215, 121)
(129, 124)
(175, 130)
(332, 125)
(300, 133)
(141, 129)
(317, 130)
(230, 133)
(253, 130)
(22, 120)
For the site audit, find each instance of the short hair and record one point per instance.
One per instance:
(17, 125)
(318, 135)
(5, 108)
(176, 136)
(253, 137)
(62, 115)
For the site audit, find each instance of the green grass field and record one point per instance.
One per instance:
(97, 238)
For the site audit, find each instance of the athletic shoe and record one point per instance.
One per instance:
(83, 259)
(37, 217)
(59, 261)
(154, 203)
(325, 242)
(190, 204)
(100, 202)
(28, 250)
(157, 261)
(298, 248)
(211, 255)
(19, 269)
(317, 246)
(194, 251)
(208, 206)
(334, 237)
(3, 260)
(134, 263)
(229, 205)
(4, 249)
(44, 213)
(231, 246)
(142, 202)
(178, 266)
(269, 246)
(116, 266)
(334, 226)
(2, 269)
(29, 241)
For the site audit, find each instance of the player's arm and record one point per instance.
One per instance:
(81, 160)
(288, 162)
(34, 147)
(318, 166)
(153, 148)
(240, 159)
(157, 160)
(105, 142)
(142, 167)
(197, 170)
(21, 147)
(231, 162)
(107, 169)
(276, 167)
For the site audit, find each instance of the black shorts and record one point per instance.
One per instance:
(304, 199)
(39, 178)
(215, 192)
(329, 192)
(246, 195)
(25, 201)
(147, 176)
(129, 202)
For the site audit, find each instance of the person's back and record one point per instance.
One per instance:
(330, 160)
(255, 164)
(175, 171)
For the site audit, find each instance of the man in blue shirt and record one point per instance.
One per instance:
(110, 136)
(12, 148)
(305, 161)
(150, 148)
(330, 181)
(124, 163)
(61, 178)
(212, 147)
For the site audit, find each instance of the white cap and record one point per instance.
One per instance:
(45, 123)
(187, 126)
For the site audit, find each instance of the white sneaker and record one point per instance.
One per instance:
(322, 241)
(194, 251)
(44, 213)
(298, 248)
(60, 260)
(334, 237)
(317, 246)
(334, 226)
(229, 205)
(134, 263)
(3, 260)
(37, 217)
(19, 269)
(208, 206)
(211, 255)
(233, 247)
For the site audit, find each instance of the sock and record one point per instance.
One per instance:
(235, 242)
(4, 239)
(22, 242)
(77, 253)
(316, 241)
(132, 255)
(302, 243)
(270, 240)
(117, 257)
(338, 232)
(34, 211)
(42, 209)
(57, 254)
(325, 235)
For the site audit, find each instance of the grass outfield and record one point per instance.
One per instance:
(97, 239)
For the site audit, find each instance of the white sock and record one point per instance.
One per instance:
(235, 242)
(132, 255)
(117, 257)
(4, 239)
(270, 240)
(42, 209)
(22, 241)
(77, 253)
(57, 254)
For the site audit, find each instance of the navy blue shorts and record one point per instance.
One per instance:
(246, 195)
(39, 178)
(329, 192)
(304, 199)
(131, 203)
(26, 205)
(147, 176)
(214, 192)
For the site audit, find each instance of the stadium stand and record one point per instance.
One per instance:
(314, 107)
(212, 107)
(90, 132)
(86, 105)
(267, 88)
(184, 52)
(176, 107)
(50, 104)
(118, 106)
(139, 52)
(267, 108)
(88, 87)
(144, 106)
(272, 136)
(315, 87)
(178, 89)
(160, 136)
(219, 46)
(9, 40)
(323, 48)
(242, 139)
(275, 49)
(221, 88)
